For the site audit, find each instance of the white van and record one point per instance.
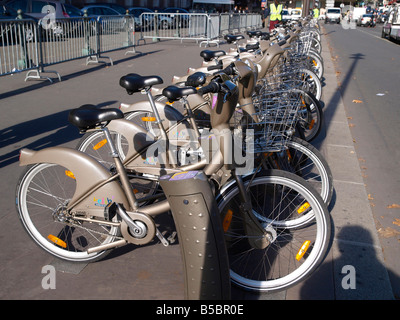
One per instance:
(333, 15)
(295, 14)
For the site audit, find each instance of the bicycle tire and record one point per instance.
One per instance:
(314, 63)
(310, 116)
(312, 83)
(264, 270)
(42, 194)
(306, 161)
(95, 145)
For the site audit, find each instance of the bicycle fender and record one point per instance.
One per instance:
(138, 138)
(269, 60)
(88, 173)
(165, 111)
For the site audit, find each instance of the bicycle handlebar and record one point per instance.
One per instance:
(213, 87)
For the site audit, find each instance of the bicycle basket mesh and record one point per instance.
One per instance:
(272, 124)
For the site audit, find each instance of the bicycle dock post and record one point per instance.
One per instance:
(200, 233)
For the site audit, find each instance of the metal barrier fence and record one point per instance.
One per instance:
(18, 46)
(195, 26)
(32, 46)
(27, 45)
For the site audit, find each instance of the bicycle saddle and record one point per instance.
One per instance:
(89, 116)
(208, 55)
(196, 79)
(255, 33)
(174, 93)
(250, 47)
(133, 82)
(232, 38)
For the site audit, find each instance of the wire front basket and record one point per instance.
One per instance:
(272, 123)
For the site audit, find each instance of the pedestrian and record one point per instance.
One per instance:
(265, 20)
(316, 12)
(275, 14)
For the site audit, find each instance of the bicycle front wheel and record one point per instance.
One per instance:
(314, 62)
(297, 224)
(310, 116)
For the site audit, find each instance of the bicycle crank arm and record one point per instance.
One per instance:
(136, 227)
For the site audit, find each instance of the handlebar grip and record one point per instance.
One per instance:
(230, 70)
(281, 43)
(213, 87)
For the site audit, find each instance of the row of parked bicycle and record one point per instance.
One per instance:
(244, 117)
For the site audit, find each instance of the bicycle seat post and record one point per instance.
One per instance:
(121, 170)
(163, 132)
(191, 117)
(114, 153)
(157, 115)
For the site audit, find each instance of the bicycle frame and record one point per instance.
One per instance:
(93, 181)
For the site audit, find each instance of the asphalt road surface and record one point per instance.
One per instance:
(367, 69)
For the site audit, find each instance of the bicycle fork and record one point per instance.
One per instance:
(258, 237)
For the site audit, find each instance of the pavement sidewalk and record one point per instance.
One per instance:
(36, 112)
(356, 248)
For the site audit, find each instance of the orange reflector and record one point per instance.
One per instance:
(57, 241)
(135, 191)
(100, 144)
(290, 158)
(148, 119)
(303, 250)
(227, 220)
(315, 62)
(303, 208)
(311, 125)
(69, 174)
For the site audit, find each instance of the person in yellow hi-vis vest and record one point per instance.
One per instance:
(316, 12)
(276, 14)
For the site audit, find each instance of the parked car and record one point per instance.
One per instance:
(46, 11)
(366, 20)
(147, 21)
(120, 9)
(285, 15)
(72, 11)
(182, 19)
(99, 10)
(39, 8)
(333, 15)
(7, 13)
(7, 34)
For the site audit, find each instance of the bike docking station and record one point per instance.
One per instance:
(200, 234)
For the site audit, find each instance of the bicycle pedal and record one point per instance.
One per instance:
(172, 237)
(162, 238)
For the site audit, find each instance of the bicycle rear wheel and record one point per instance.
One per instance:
(96, 145)
(42, 196)
(304, 160)
(297, 223)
